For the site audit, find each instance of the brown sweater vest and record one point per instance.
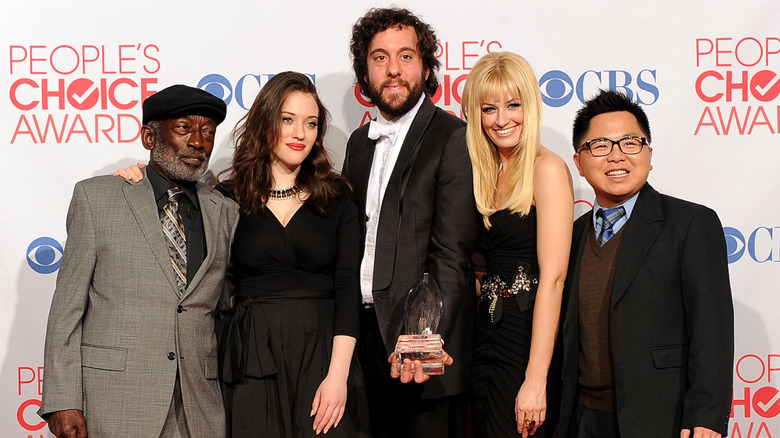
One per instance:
(596, 382)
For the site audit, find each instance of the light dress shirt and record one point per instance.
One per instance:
(388, 146)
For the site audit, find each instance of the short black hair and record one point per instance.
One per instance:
(380, 19)
(606, 101)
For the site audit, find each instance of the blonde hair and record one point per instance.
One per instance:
(500, 74)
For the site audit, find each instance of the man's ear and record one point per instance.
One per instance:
(576, 159)
(147, 137)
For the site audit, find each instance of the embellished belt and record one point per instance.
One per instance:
(494, 287)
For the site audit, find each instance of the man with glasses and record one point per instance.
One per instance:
(648, 324)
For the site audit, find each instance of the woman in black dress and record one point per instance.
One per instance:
(287, 344)
(524, 193)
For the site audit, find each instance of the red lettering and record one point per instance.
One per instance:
(447, 57)
(14, 59)
(764, 122)
(367, 117)
(145, 91)
(156, 61)
(360, 98)
(83, 94)
(23, 380)
(82, 129)
(103, 61)
(771, 358)
(732, 85)
(733, 115)
(20, 415)
(700, 51)
(762, 86)
(741, 371)
(19, 130)
(769, 50)
(33, 59)
(490, 45)
(88, 58)
(758, 46)
(14, 97)
(135, 128)
(54, 54)
(706, 114)
(718, 52)
(468, 55)
(747, 51)
(112, 94)
(59, 93)
(123, 58)
(744, 402)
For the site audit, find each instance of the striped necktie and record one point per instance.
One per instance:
(175, 238)
(611, 216)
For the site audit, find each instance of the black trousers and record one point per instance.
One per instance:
(592, 423)
(395, 409)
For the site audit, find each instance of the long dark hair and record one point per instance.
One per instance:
(256, 136)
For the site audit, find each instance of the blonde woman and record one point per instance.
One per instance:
(524, 193)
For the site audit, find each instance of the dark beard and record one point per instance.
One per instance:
(375, 94)
(173, 169)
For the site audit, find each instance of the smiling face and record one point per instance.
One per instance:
(180, 147)
(297, 131)
(616, 177)
(395, 71)
(502, 120)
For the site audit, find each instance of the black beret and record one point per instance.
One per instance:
(180, 101)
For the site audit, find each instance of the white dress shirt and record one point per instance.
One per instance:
(391, 137)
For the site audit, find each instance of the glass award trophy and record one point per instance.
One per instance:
(422, 313)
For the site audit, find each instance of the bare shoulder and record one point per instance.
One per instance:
(550, 167)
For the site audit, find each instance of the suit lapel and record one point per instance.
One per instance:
(641, 230)
(392, 203)
(361, 155)
(410, 148)
(579, 239)
(140, 198)
(211, 212)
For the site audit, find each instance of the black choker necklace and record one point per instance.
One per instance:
(282, 194)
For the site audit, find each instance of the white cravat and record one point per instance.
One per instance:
(390, 136)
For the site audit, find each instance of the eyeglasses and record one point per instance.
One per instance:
(601, 147)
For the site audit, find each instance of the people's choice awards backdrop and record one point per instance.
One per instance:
(74, 74)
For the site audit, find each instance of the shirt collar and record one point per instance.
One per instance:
(628, 206)
(161, 186)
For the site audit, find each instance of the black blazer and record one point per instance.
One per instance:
(428, 223)
(671, 321)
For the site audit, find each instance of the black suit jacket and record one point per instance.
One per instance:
(671, 320)
(428, 223)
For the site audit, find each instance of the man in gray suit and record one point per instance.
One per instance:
(130, 344)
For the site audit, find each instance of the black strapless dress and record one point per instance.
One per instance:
(502, 338)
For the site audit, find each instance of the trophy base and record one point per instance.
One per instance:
(425, 348)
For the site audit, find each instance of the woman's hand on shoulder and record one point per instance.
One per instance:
(132, 173)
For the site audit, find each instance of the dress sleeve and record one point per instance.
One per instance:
(346, 281)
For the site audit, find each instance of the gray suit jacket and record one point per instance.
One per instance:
(428, 223)
(117, 331)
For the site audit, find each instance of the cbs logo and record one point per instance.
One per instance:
(44, 255)
(558, 87)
